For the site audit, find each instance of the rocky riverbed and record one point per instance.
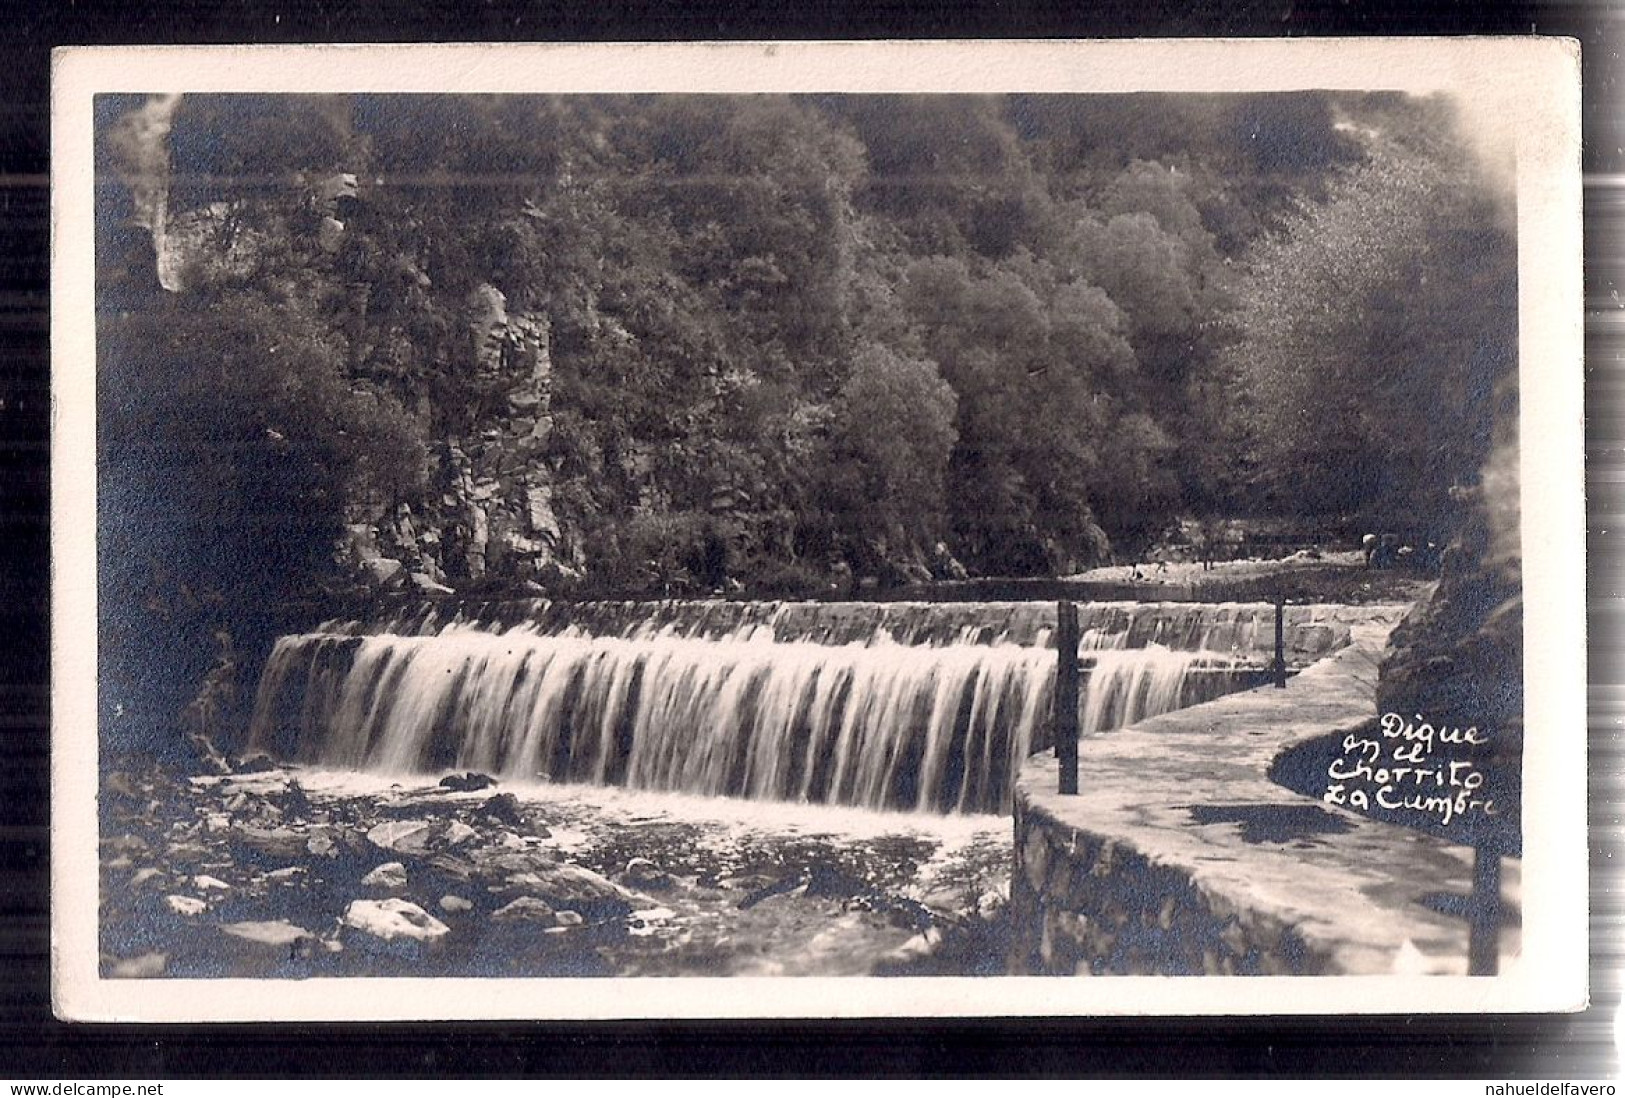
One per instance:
(298, 873)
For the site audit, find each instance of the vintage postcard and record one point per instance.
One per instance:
(818, 530)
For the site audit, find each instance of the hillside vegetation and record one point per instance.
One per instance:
(780, 345)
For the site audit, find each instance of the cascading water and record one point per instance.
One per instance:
(797, 702)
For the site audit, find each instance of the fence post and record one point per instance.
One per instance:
(1066, 695)
(1280, 641)
(1484, 914)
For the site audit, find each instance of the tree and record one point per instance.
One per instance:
(230, 443)
(891, 435)
(1374, 327)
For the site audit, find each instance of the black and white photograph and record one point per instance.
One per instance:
(847, 529)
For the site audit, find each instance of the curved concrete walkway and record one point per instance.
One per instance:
(1291, 884)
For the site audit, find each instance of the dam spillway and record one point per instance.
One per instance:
(910, 706)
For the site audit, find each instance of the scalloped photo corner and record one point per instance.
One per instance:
(847, 529)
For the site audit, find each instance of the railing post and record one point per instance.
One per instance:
(1280, 641)
(1484, 914)
(1066, 695)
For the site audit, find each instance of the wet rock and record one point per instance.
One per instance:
(781, 886)
(281, 934)
(256, 762)
(426, 585)
(454, 904)
(910, 954)
(946, 900)
(142, 876)
(467, 783)
(280, 842)
(322, 845)
(527, 909)
(457, 833)
(286, 875)
(747, 882)
(189, 906)
(582, 890)
(569, 918)
(384, 570)
(393, 918)
(643, 873)
(144, 967)
(503, 808)
(294, 800)
(452, 866)
(421, 838)
(519, 881)
(405, 836)
(389, 878)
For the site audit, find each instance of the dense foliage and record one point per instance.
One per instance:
(795, 337)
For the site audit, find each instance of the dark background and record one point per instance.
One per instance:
(33, 1045)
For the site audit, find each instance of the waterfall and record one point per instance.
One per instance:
(897, 706)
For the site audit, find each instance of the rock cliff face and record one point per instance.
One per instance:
(140, 143)
(1457, 660)
(491, 513)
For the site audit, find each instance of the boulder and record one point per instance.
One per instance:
(457, 833)
(420, 838)
(454, 904)
(278, 842)
(142, 876)
(425, 584)
(582, 890)
(188, 906)
(330, 234)
(504, 808)
(361, 543)
(384, 570)
(405, 836)
(527, 909)
(642, 873)
(488, 323)
(254, 762)
(393, 918)
(465, 783)
(539, 512)
(494, 862)
(916, 951)
(388, 878)
(280, 934)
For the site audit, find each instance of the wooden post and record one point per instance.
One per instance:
(1484, 914)
(1066, 695)
(1280, 642)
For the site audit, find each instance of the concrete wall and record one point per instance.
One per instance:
(1180, 857)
